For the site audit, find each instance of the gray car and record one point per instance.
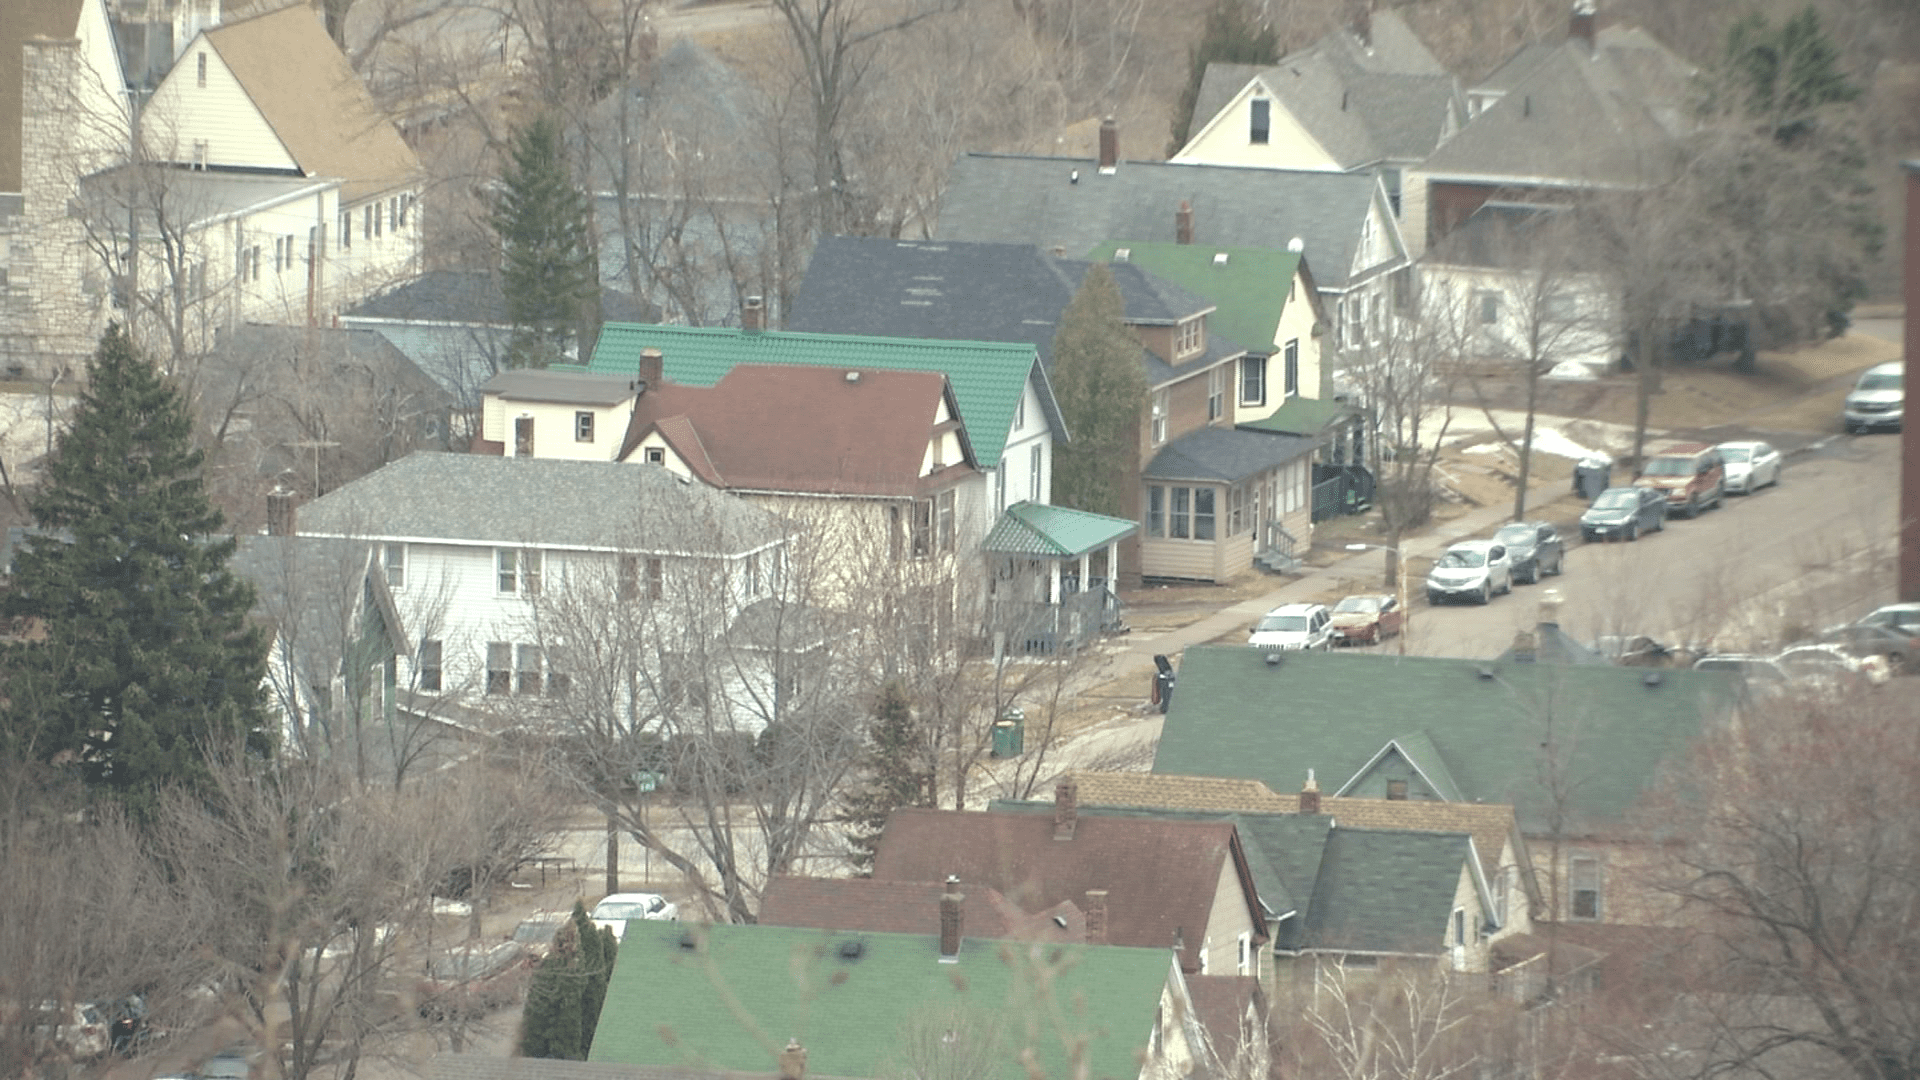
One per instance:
(1623, 513)
(1533, 548)
(1877, 399)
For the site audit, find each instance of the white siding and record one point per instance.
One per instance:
(219, 114)
(1225, 139)
(554, 427)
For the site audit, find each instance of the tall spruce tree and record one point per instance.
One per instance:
(144, 660)
(1101, 386)
(550, 1025)
(892, 777)
(549, 276)
(1233, 35)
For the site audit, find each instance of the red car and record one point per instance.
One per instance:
(474, 979)
(1365, 619)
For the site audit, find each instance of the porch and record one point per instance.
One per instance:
(1051, 574)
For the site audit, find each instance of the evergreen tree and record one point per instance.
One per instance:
(892, 780)
(1099, 382)
(549, 277)
(596, 967)
(1788, 73)
(551, 1024)
(146, 661)
(1233, 36)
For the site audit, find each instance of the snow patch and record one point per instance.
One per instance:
(1545, 441)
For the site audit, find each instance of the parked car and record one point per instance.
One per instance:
(1902, 617)
(1900, 649)
(1623, 513)
(1689, 474)
(1832, 665)
(1476, 569)
(473, 979)
(535, 932)
(1750, 466)
(1758, 672)
(615, 910)
(1294, 626)
(1878, 398)
(1534, 548)
(1365, 619)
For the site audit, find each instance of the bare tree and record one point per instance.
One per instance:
(1405, 1021)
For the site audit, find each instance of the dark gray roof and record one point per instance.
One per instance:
(1225, 455)
(691, 101)
(486, 500)
(964, 291)
(1008, 198)
(1553, 645)
(561, 387)
(1385, 891)
(1219, 86)
(474, 296)
(1571, 115)
(312, 590)
(255, 360)
(447, 1066)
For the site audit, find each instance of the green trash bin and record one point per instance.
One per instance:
(1009, 734)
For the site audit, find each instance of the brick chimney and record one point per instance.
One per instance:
(1526, 647)
(652, 368)
(793, 1060)
(1363, 22)
(1550, 602)
(1310, 795)
(1581, 26)
(1183, 223)
(1066, 808)
(951, 924)
(280, 519)
(753, 315)
(1109, 145)
(1096, 916)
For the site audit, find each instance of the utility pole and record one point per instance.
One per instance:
(1910, 414)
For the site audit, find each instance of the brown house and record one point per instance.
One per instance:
(908, 907)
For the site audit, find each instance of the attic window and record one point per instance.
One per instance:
(656, 455)
(1397, 789)
(200, 70)
(1260, 123)
(583, 426)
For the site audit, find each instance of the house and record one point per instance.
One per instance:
(900, 907)
(1184, 884)
(472, 545)
(1344, 222)
(1223, 495)
(872, 1004)
(1604, 107)
(1570, 747)
(1366, 98)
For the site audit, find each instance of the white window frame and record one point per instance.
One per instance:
(1290, 368)
(583, 425)
(1216, 392)
(1158, 424)
(1253, 371)
(430, 677)
(1190, 337)
(1036, 474)
(393, 562)
(1575, 864)
(1259, 128)
(517, 571)
(1244, 946)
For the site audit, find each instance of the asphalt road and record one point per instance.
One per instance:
(1813, 551)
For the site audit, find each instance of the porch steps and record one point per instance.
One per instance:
(1275, 561)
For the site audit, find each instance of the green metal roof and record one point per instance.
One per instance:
(1483, 722)
(733, 1001)
(1249, 290)
(1302, 416)
(987, 377)
(1030, 528)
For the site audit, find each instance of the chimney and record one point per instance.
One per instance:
(280, 512)
(1580, 27)
(753, 315)
(652, 368)
(1525, 647)
(1310, 795)
(793, 1060)
(1183, 223)
(1550, 602)
(950, 922)
(1096, 916)
(1109, 145)
(1066, 808)
(1363, 23)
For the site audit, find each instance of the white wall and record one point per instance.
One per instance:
(554, 428)
(1031, 430)
(182, 114)
(1225, 139)
(1578, 330)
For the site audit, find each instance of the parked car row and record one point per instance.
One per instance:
(1479, 570)
(1683, 479)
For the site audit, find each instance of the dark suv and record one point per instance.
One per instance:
(1534, 548)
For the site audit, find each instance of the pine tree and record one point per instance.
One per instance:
(1787, 73)
(892, 781)
(549, 277)
(1099, 382)
(146, 661)
(550, 1025)
(1232, 36)
(596, 965)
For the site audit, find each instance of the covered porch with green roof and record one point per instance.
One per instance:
(1044, 589)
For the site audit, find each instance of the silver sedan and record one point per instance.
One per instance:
(1750, 466)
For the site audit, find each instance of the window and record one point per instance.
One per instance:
(200, 71)
(1253, 380)
(1584, 879)
(1560, 307)
(1159, 426)
(1020, 411)
(656, 579)
(1216, 393)
(1359, 960)
(1244, 953)
(1459, 926)
(393, 214)
(559, 679)
(253, 262)
(499, 667)
(366, 223)
(279, 254)
(656, 455)
(1000, 488)
(1236, 509)
(1203, 513)
(519, 570)
(427, 668)
(1190, 516)
(921, 529)
(1156, 510)
(583, 427)
(523, 436)
(944, 506)
(1489, 308)
(200, 154)
(1036, 475)
(527, 671)
(374, 212)
(1397, 789)
(393, 557)
(629, 575)
(1190, 338)
(346, 230)
(1181, 524)
(1260, 127)
(1291, 359)
(1355, 311)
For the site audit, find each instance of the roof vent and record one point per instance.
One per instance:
(1122, 254)
(689, 941)
(1219, 258)
(1296, 245)
(1073, 177)
(1652, 679)
(1060, 921)
(1272, 658)
(683, 478)
(853, 376)
(1485, 673)
(852, 949)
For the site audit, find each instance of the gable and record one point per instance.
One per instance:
(1226, 137)
(222, 114)
(1377, 779)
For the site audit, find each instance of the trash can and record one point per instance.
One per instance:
(1010, 733)
(1591, 476)
(1163, 680)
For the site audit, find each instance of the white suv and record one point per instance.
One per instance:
(1294, 626)
(1476, 569)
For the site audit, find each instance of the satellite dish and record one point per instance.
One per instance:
(1296, 245)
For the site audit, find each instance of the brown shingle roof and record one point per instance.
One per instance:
(910, 907)
(1160, 876)
(1491, 825)
(778, 427)
(20, 20)
(304, 87)
(1220, 1002)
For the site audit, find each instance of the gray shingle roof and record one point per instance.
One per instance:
(474, 296)
(485, 500)
(1225, 455)
(560, 387)
(1027, 199)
